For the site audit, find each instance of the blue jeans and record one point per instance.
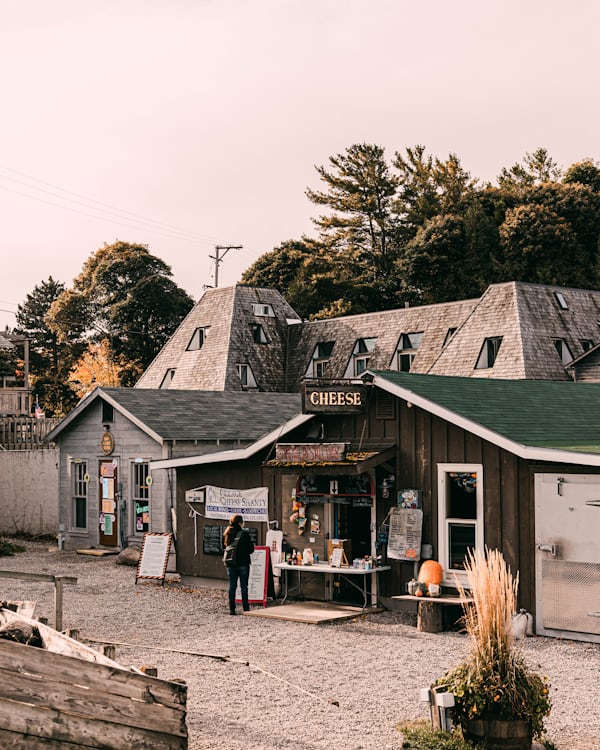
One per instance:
(242, 572)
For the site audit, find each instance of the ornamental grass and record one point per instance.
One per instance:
(494, 681)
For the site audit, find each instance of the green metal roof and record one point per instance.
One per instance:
(546, 414)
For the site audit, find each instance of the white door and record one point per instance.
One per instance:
(567, 555)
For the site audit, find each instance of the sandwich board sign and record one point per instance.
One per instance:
(154, 557)
(258, 581)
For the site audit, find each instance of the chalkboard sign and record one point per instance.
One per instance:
(154, 557)
(212, 540)
(259, 577)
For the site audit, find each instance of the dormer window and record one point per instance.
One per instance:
(359, 360)
(562, 302)
(406, 350)
(168, 378)
(488, 353)
(246, 376)
(319, 363)
(258, 334)
(263, 311)
(563, 350)
(197, 340)
(586, 344)
(449, 333)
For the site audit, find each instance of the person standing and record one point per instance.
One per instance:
(240, 570)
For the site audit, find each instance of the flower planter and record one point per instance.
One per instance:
(499, 734)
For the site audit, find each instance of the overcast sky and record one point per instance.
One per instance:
(183, 124)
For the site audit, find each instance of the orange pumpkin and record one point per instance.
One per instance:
(431, 572)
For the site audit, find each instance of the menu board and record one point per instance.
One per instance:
(259, 577)
(212, 538)
(404, 536)
(154, 556)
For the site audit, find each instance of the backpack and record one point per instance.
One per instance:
(229, 556)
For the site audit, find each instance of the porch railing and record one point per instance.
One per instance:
(25, 433)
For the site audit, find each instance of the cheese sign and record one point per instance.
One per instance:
(344, 399)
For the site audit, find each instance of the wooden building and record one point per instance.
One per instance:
(107, 496)
(507, 464)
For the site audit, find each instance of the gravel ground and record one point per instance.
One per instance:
(282, 688)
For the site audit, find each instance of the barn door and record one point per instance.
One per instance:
(567, 522)
(108, 518)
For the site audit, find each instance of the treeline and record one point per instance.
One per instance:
(416, 230)
(420, 230)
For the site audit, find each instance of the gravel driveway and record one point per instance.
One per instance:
(338, 686)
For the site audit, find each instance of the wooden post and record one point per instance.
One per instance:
(58, 602)
(429, 617)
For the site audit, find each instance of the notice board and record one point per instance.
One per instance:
(258, 581)
(404, 536)
(154, 557)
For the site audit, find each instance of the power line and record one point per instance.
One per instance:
(133, 220)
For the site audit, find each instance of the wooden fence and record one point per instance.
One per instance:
(25, 433)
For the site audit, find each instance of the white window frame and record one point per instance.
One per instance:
(444, 521)
(245, 373)
(263, 310)
(198, 339)
(563, 350)
(79, 492)
(139, 492)
(361, 354)
(488, 353)
(406, 350)
(259, 335)
(167, 378)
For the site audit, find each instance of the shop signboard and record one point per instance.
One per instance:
(328, 399)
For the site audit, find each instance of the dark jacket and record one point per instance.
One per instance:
(245, 546)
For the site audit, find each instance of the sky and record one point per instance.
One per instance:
(187, 124)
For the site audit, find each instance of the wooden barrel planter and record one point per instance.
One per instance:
(499, 734)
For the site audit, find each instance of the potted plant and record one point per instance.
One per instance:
(499, 701)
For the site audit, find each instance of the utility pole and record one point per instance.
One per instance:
(218, 258)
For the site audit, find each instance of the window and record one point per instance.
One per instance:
(449, 333)
(563, 350)
(108, 412)
(407, 349)
(460, 516)
(197, 340)
(488, 353)
(359, 360)
(140, 495)
(79, 484)
(562, 302)
(319, 363)
(168, 378)
(258, 334)
(586, 344)
(265, 311)
(246, 376)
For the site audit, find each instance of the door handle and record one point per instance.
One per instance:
(551, 548)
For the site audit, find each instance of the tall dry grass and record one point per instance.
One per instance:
(488, 619)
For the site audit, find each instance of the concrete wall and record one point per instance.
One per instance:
(29, 492)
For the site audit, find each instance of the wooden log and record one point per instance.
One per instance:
(429, 617)
(150, 671)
